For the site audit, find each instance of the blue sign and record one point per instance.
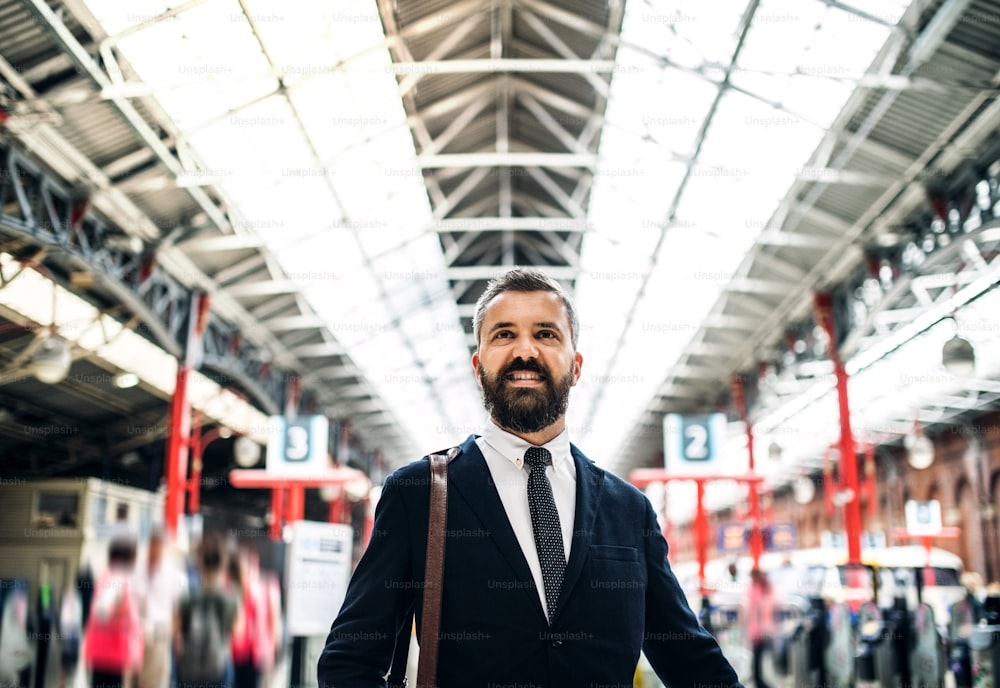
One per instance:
(780, 537)
(732, 536)
(691, 443)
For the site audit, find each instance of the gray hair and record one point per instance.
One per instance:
(524, 280)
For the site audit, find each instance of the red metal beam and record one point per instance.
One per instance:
(756, 522)
(641, 477)
(258, 478)
(178, 443)
(848, 457)
(197, 450)
(277, 512)
(291, 508)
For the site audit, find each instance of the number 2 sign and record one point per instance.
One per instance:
(690, 443)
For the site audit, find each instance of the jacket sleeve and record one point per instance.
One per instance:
(681, 652)
(360, 646)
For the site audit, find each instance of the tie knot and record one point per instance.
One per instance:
(536, 457)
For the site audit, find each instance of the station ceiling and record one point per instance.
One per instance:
(343, 178)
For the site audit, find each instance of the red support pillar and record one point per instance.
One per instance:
(738, 393)
(701, 537)
(928, 543)
(335, 513)
(179, 440)
(295, 509)
(178, 443)
(277, 511)
(197, 449)
(848, 458)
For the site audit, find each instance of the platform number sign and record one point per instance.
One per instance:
(923, 518)
(691, 443)
(298, 445)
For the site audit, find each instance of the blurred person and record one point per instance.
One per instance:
(273, 645)
(159, 586)
(205, 619)
(249, 643)
(16, 652)
(560, 575)
(760, 621)
(113, 639)
(973, 584)
(70, 633)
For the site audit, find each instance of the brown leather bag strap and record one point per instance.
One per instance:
(430, 625)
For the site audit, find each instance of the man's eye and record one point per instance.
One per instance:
(547, 333)
(503, 334)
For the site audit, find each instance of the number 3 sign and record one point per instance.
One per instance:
(690, 443)
(299, 445)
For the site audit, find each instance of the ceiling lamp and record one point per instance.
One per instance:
(803, 489)
(919, 448)
(358, 488)
(246, 452)
(51, 361)
(958, 357)
(125, 380)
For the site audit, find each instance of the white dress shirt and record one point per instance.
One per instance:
(504, 454)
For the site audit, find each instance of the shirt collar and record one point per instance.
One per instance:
(512, 447)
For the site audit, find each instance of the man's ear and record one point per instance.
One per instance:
(577, 366)
(475, 367)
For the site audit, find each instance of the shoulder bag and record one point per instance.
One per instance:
(433, 582)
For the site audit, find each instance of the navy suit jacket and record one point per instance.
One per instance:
(618, 596)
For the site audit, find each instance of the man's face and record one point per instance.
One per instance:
(526, 363)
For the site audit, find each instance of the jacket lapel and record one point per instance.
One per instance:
(471, 479)
(589, 481)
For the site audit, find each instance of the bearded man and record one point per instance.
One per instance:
(555, 571)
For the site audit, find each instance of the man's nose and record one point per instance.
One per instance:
(525, 347)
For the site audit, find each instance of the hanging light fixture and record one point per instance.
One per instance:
(919, 448)
(245, 451)
(803, 490)
(958, 356)
(125, 380)
(51, 361)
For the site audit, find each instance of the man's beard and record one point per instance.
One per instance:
(524, 409)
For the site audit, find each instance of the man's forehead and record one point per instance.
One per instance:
(512, 303)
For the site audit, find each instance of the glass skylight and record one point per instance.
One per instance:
(308, 139)
(759, 138)
(325, 172)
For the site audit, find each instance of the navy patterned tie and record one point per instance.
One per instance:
(545, 524)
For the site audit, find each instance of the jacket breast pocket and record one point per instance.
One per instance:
(614, 553)
(616, 574)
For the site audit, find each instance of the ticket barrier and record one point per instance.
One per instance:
(927, 656)
(899, 625)
(874, 661)
(799, 650)
(839, 651)
(960, 628)
(705, 615)
(819, 636)
(730, 632)
(790, 649)
(985, 645)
